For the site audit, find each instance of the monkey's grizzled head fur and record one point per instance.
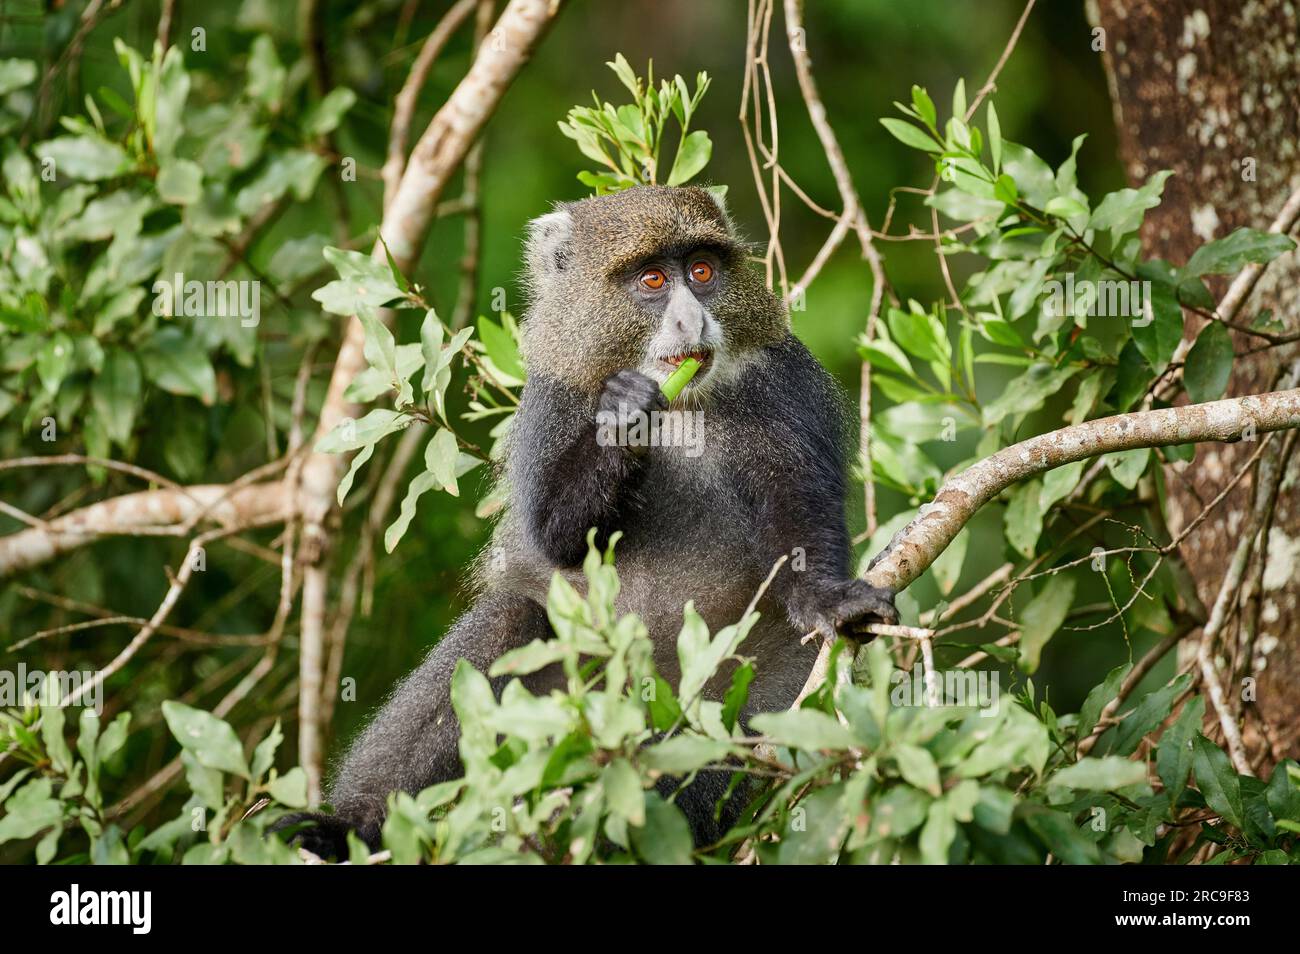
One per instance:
(585, 320)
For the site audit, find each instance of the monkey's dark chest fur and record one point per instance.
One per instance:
(702, 523)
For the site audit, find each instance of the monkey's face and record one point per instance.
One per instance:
(679, 293)
(643, 279)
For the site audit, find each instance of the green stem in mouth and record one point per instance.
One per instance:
(679, 378)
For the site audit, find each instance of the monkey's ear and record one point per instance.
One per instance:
(549, 245)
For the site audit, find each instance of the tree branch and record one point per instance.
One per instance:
(914, 548)
(142, 513)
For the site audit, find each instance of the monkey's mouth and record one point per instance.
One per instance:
(703, 355)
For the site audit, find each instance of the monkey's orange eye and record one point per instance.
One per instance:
(702, 273)
(653, 278)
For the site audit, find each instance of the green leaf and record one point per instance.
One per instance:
(910, 135)
(1004, 190)
(1058, 483)
(994, 809)
(803, 728)
(89, 157)
(178, 363)
(1060, 834)
(362, 283)
(380, 351)
(1146, 716)
(682, 754)
(886, 356)
(1044, 615)
(169, 103)
(924, 106)
(54, 362)
(15, 74)
(115, 393)
(324, 117)
(623, 792)
(665, 838)
(290, 789)
(1160, 328)
(211, 740)
(1122, 212)
(699, 655)
(1209, 364)
(824, 818)
(1174, 756)
(626, 75)
(1065, 207)
(266, 74)
(947, 566)
(1023, 520)
(1100, 697)
(733, 703)
(350, 435)
(264, 753)
(1033, 177)
(30, 811)
(295, 170)
(421, 484)
(921, 335)
(180, 182)
(431, 333)
(501, 347)
(1132, 376)
(1229, 255)
(897, 813)
(938, 834)
(1217, 780)
(1101, 774)
(398, 278)
(995, 137)
(1283, 793)
(692, 155)
(1027, 392)
(1127, 467)
(358, 461)
(371, 382)
(918, 768)
(52, 721)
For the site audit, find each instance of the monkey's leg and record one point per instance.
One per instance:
(413, 741)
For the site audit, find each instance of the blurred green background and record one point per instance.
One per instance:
(866, 53)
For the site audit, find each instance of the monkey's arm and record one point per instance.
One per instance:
(803, 444)
(566, 479)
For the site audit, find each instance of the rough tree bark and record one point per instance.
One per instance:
(1209, 88)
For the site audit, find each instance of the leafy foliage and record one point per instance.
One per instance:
(627, 140)
(858, 774)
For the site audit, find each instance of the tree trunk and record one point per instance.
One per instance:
(1211, 90)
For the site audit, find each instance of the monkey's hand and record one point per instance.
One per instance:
(846, 607)
(623, 412)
